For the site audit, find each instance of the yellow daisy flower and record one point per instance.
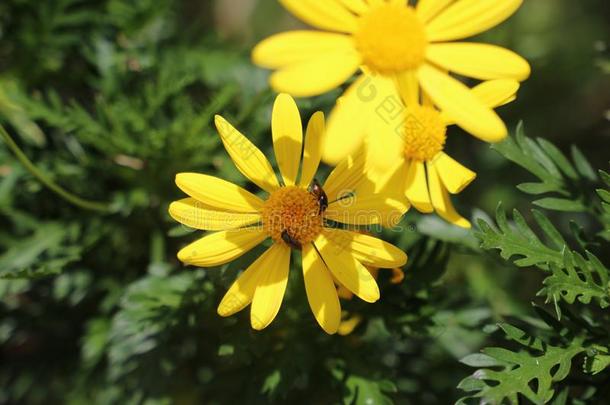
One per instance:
(295, 215)
(391, 38)
(408, 143)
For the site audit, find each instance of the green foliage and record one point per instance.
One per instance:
(530, 372)
(111, 98)
(568, 181)
(604, 195)
(571, 277)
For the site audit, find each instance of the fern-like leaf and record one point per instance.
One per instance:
(506, 375)
(567, 180)
(519, 240)
(578, 279)
(573, 276)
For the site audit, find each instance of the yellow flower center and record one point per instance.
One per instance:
(294, 212)
(424, 133)
(391, 39)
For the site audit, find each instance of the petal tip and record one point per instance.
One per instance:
(183, 256)
(223, 311)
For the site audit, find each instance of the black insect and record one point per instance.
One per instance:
(316, 189)
(289, 240)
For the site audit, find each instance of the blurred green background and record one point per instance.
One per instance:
(112, 98)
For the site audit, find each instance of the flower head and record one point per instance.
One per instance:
(295, 214)
(390, 38)
(405, 138)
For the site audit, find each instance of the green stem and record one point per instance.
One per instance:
(66, 195)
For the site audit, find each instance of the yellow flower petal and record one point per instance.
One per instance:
(294, 47)
(408, 88)
(347, 270)
(321, 292)
(480, 61)
(221, 247)
(417, 187)
(385, 141)
(242, 291)
(270, 290)
(328, 15)
(345, 178)
(287, 132)
(313, 148)
(396, 2)
(347, 326)
(368, 209)
(373, 202)
(428, 9)
(218, 193)
(344, 293)
(369, 102)
(461, 106)
(316, 76)
(355, 6)
(248, 159)
(496, 93)
(466, 18)
(347, 122)
(367, 249)
(441, 202)
(195, 214)
(455, 177)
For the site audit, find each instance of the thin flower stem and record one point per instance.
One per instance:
(66, 195)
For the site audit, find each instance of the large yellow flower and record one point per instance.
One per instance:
(294, 215)
(392, 39)
(405, 140)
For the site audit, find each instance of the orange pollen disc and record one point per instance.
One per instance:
(294, 210)
(391, 39)
(424, 133)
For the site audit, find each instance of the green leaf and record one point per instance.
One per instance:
(44, 253)
(536, 188)
(361, 391)
(603, 194)
(582, 164)
(226, 350)
(556, 173)
(561, 204)
(597, 360)
(149, 310)
(515, 372)
(272, 383)
(520, 242)
(558, 158)
(577, 279)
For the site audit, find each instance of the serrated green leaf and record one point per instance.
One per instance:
(517, 242)
(577, 279)
(543, 363)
